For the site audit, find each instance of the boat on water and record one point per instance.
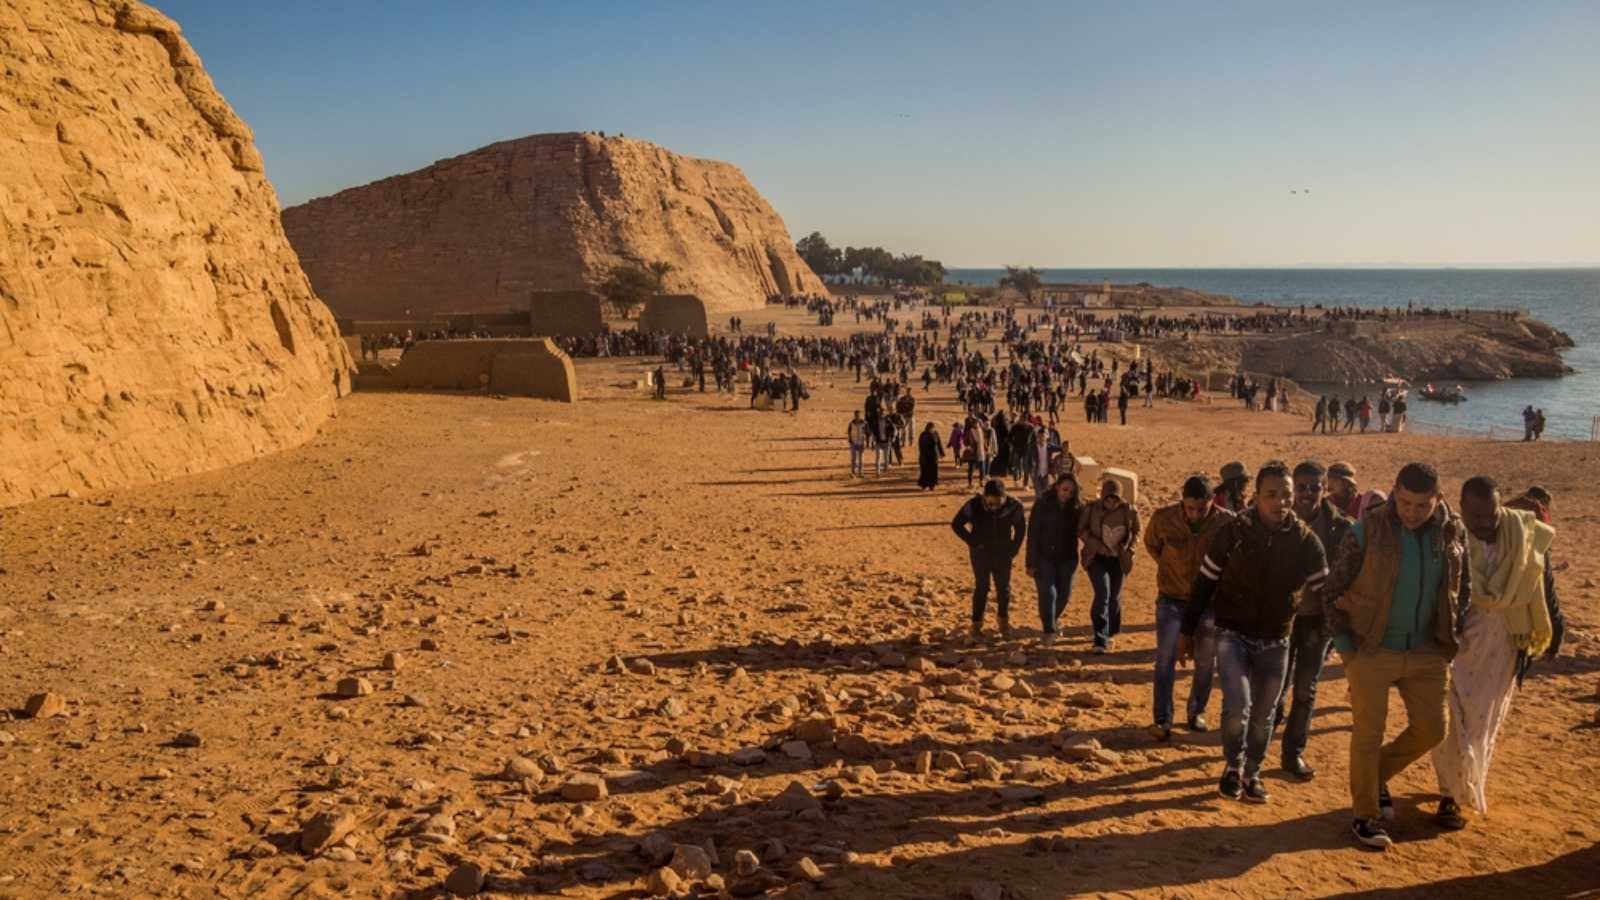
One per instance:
(1456, 394)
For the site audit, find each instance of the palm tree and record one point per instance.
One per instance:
(659, 270)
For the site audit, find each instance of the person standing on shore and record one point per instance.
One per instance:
(1052, 555)
(1319, 424)
(992, 526)
(1177, 539)
(1110, 530)
(856, 435)
(1391, 600)
(1249, 576)
(1400, 413)
(1308, 640)
(1512, 616)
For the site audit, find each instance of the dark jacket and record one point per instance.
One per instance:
(1330, 526)
(1053, 532)
(997, 535)
(1251, 574)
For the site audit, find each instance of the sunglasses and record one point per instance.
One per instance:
(1314, 487)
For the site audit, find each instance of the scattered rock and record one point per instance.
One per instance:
(186, 739)
(690, 862)
(641, 666)
(583, 788)
(808, 870)
(354, 687)
(796, 799)
(465, 880)
(656, 848)
(987, 890)
(664, 882)
(745, 863)
(1086, 700)
(45, 706)
(325, 829)
(393, 662)
(519, 768)
(671, 708)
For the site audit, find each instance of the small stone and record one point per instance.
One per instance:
(922, 763)
(582, 788)
(393, 662)
(947, 759)
(745, 863)
(664, 882)
(656, 848)
(671, 708)
(807, 869)
(186, 739)
(796, 750)
(429, 644)
(354, 687)
(262, 850)
(45, 706)
(1086, 700)
(1002, 682)
(641, 666)
(519, 768)
(796, 799)
(815, 731)
(325, 829)
(465, 880)
(773, 850)
(749, 756)
(690, 862)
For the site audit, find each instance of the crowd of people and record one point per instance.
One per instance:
(1446, 606)
(1391, 413)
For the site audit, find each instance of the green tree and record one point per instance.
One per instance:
(627, 287)
(1026, 280)
(823, 258)
(659, 270)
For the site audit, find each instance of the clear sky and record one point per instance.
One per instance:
(1050, 134)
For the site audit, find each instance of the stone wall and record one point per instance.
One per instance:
(529, 368)
(154, 320)
(676, 314)
(552, 212)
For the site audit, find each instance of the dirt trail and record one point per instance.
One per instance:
(690, 600)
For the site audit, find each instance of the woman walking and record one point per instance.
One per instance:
(929, 451)
(1110, 528)
(1052, 555)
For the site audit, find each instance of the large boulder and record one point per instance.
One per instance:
(154, 320)
(495, 228)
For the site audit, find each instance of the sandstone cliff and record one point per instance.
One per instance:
(550, 212)
(153, 318)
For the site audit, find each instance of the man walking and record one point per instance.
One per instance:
(1513, 615)
(1249, 576)
(992, 526)
(1110, 531)
(856, 435)
(1391, 601)
(1052, 557)
(1177, 538)
(1308, 641)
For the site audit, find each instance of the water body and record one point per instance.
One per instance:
(1569, 299)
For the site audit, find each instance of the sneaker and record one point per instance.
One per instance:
(1198, 723)
(1297, 767)
(1005, 629)
(1370, 832)
(1159, 732)
(1449, 816)
(1255, 791)
(1231, 787)
(1100, 648)
(1385, 804)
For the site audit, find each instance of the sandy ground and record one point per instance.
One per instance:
(512, 552)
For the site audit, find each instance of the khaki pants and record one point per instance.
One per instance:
(1421, 678)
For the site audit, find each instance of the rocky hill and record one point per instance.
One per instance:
(153, 318)
(549, 212)
(1482, 348)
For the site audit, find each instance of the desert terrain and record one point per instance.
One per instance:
(574, 636)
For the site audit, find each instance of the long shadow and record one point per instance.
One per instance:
(941, 523)
(1573, 875)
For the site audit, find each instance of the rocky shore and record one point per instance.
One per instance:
(1418, 349)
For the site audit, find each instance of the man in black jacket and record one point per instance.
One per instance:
(1256, 564)
(992, 526)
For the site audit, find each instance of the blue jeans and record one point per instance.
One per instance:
(988, 567)
(1054, 581)
(855, 459)
(1169, 625)
(1308, 647)
(1252, 675)
(1105, 575)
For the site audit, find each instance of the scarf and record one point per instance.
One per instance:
(1516, 586)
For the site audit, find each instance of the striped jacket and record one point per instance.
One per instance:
(1251, 574)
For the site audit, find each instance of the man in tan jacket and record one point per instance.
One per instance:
(1177, 538)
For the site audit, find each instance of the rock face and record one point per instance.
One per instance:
(154, 320)
(551, 212)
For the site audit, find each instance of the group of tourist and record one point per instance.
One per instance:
(1391, 412)
(1446, 606)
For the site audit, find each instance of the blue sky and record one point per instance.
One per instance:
(1051, 134)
